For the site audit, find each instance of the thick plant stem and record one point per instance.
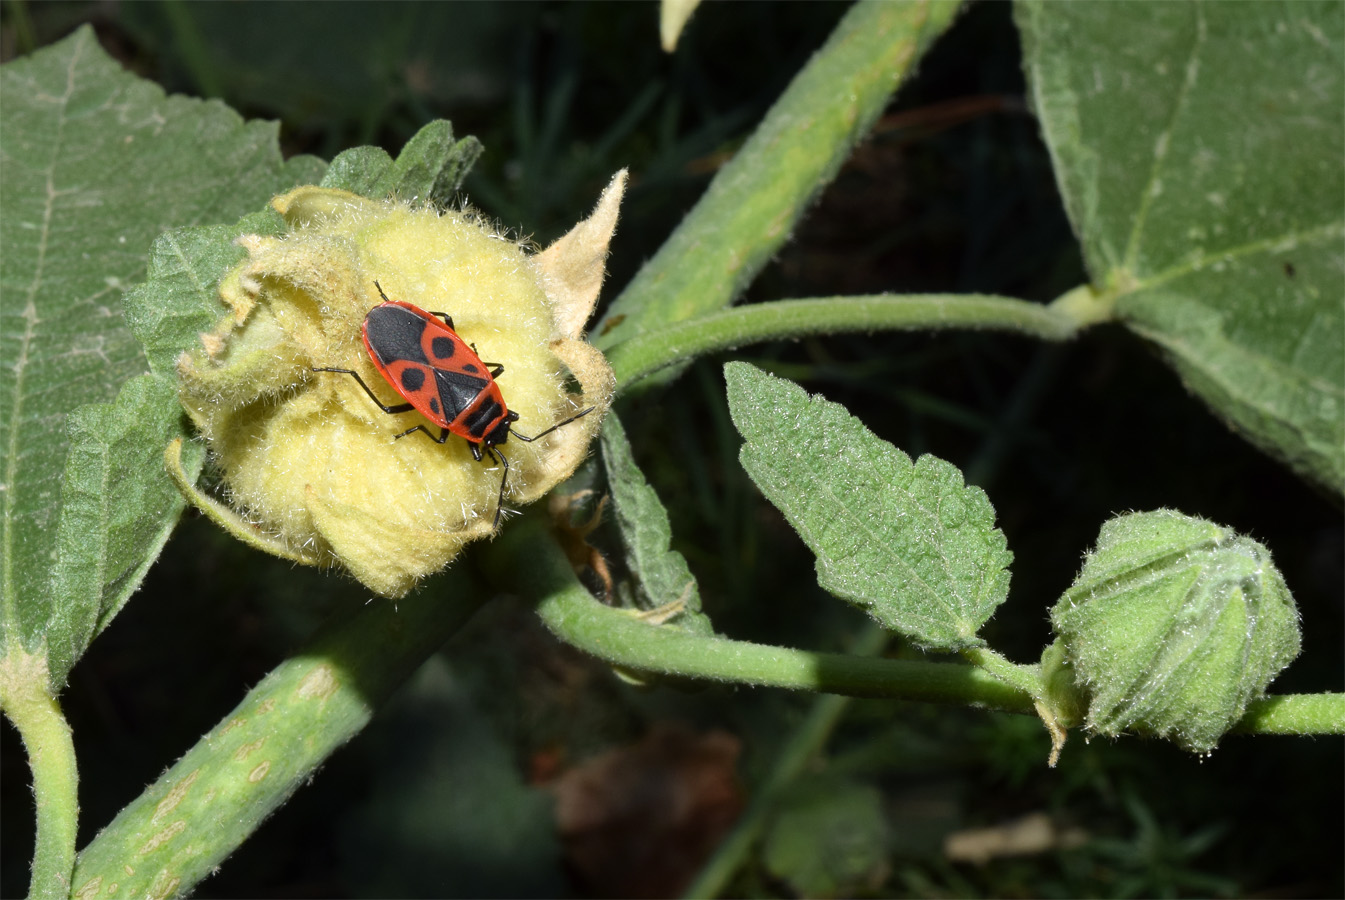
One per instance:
(26, 700)
(752, 205)
(201, 809)
(621, 639)
(651, 351)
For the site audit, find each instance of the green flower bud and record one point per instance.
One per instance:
(1173, 626)
(310, 460)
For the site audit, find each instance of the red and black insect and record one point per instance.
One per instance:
(442, 378)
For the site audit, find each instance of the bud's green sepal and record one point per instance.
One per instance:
(1173, 626)
(309, 460)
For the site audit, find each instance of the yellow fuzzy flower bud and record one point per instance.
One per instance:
(310, 460)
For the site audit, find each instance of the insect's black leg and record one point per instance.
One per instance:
(443, 433)
(448, 320)
(540, 434)
(496, 369)
(391, 410)
(504, 479)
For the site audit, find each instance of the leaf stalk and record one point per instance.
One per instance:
(25, 697)
(645, 354)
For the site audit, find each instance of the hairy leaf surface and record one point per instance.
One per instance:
(908, 542)
(1198, 149)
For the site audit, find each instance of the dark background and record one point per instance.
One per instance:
(445, 794)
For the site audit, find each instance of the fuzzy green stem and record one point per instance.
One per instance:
(752, 205)
(571, 613)
(1294, 714)
(26, 700)
(566, 608)
(201, 809)
(647, 353)
(1026, 678)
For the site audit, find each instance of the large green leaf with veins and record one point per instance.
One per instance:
(1199, 149)
(94, 162)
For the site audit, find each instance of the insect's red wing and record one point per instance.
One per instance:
(433, 368)
(417, 383)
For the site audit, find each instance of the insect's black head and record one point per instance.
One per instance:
(500, 433)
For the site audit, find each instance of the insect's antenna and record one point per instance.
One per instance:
(542, 434)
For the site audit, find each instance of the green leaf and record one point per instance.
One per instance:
(358, 170)
(179, 298)
(94, 162)
(663, 573)
(1198, 148)
(430, 167)
(910, 543)
(118, 507)
(829, 840)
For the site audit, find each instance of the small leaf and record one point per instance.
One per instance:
(430, 167)
(118, 507)
(358, 170)
(94, 162)
(663, 572)
(830, 839)
(1198, 149)
(910, 543)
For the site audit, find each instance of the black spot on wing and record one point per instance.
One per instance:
(442, 348)
(394, 333)
(413, 379)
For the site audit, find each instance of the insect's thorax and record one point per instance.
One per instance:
(499, 431)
